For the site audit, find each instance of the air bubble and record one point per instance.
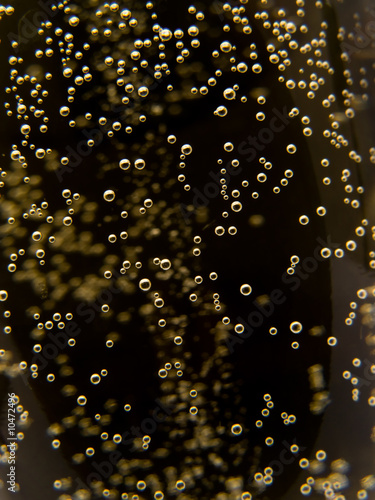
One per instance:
(124, 164)
(143, 91)
(95, 378)
(40, 153)
(165, 264)
(304, 220)
(186, 149)
(25, 129)
(245, 289)
(109, 195)
(236, 429)
(145, 284)
(295, 327)
(74, 21)
(36, 236)
(64, 111)
(67, 221)
(229, 94)
(236, 206)
(226, 46)
(82, 400)
(139, 164)
(242, 67)
(221, 111)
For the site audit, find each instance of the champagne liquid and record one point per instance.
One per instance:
(187, 241)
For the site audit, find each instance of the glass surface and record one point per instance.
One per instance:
(187, 250)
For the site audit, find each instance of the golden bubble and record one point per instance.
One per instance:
(221, 111)
(245, 289)
(225, 46)
(229, 94)
(145, 284)
(295, 327)
(82, 400)
(236, 429)
(304, 220)
(95, 378)
(109, 195)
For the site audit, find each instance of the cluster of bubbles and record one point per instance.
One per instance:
(107, 232)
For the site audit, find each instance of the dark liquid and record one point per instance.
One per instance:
(188, 257)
